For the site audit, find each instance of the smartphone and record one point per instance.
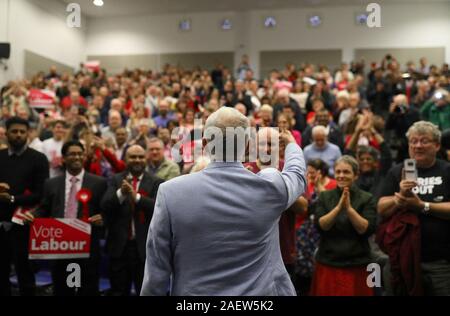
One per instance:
(410, 170)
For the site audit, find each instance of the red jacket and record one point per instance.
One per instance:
(399, 237)
(67, 102)
(94, 165)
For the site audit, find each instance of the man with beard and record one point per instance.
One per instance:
(164, 114)
(60, 200)
(128, 206)
(22, 174)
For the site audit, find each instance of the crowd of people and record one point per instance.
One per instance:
(123, 135)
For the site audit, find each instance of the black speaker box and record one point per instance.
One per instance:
(5, 50)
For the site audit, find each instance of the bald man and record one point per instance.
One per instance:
(215, 232)
(128, 206)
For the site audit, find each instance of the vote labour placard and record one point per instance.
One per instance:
(53, 238)
(41, 99)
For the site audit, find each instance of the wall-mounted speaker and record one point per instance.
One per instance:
(5, 50)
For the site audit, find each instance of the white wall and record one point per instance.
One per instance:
(158, 34)
(3, 34)
(418, 25)
(39, 26)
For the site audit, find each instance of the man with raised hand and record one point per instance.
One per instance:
(215, 232)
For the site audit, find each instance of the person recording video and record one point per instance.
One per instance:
(420, 210)
(401, 117)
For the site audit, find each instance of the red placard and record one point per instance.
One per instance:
(42, 99)
(93, 65)
(54, 238)
(19, 216)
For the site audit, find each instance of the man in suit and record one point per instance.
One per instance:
(121, 137)
(215, 232)
(22, 174)
(128, 206)
(60, 201)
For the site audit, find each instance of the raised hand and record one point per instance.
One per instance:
(286, 137)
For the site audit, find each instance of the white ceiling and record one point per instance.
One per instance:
(156, 7)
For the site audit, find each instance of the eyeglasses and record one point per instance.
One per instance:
(424, 141)
(75, 154)
(366, 159)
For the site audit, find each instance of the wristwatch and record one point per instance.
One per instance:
(426, 208)
(12, 199)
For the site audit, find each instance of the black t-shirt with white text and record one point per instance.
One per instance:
(434, 187)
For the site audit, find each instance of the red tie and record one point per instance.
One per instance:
(130, 231)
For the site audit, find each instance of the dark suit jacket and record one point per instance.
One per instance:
(118, 216)
(53, 202)
(25, 173)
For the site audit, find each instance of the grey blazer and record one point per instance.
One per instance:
(215, 233)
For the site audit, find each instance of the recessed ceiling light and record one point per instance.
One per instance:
(98, 3)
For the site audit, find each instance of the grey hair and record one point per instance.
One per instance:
(222, 121)
(156, 140)
(200, 164)
(349, 160)
(114, 112)
(424, 127)
(266, 107)
(319, 128)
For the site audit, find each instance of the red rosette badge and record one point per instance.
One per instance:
(84, 196)
(143, 193)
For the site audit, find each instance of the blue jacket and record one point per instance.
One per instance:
(216, 232)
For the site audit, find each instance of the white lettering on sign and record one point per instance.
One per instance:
(426, 185)
(48, 232)
(54, 245)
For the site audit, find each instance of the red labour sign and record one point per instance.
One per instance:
(53, 238)
(41, 98)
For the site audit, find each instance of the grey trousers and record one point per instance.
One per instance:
(435, 276)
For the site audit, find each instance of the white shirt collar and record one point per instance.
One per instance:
(80, 176)
(138, 178)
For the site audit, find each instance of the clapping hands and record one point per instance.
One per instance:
(344, 202)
